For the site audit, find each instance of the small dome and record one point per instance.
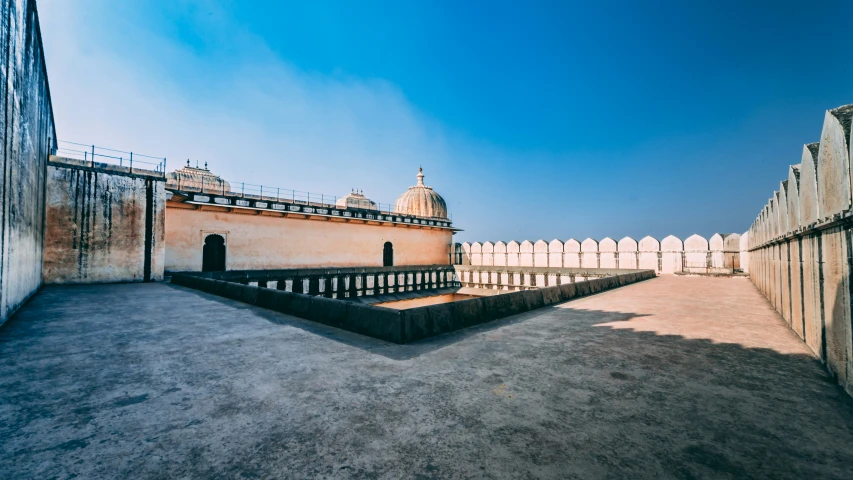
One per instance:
(197, 179)
(421, 201)
(356, 199)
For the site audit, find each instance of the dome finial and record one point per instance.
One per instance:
(420, 176)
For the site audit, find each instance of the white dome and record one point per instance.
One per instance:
(421, 201)
(356, 200)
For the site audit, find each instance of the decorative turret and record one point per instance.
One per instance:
(195, 179)
(356, 199)
(421, 201)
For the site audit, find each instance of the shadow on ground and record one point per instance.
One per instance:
(381, 347)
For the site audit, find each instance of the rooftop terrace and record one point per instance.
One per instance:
(667, 378)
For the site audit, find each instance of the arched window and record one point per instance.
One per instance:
(213, 254)
(388, 255)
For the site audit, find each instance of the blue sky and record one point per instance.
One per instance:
(533, 120)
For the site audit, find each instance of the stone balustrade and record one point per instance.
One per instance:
(527, 278)
(344, 283)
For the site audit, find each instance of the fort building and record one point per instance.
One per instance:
(219, 229)
(196, 326)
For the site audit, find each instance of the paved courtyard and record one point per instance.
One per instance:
(669, 378)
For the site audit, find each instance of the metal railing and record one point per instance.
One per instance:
(275, 194)
(94, 153)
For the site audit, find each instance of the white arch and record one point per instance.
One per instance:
(696, 254)
(500, 254)
(540, 254)
(572, 253)
(476, 253)
(793, 197)
(466, 253)
(489, 253)
(649, 254)
(833, 166)
(513, 254)
(672, 251)
(555, 253)
(628, 256)
(607, 249)
(526, 253)
(809, 200)
(744, 251)
(589, 248)
(716, 244)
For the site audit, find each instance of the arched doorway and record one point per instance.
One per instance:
(213, 254)
(388, 255)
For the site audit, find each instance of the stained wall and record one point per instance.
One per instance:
(256, 241)
(104, 223)
(28, 133)
(801, 245)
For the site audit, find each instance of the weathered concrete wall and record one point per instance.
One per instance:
(801, 247)
(26, 122)
(723, 254)
(104, 223)
(257, 241)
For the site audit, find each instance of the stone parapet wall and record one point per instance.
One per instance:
(404, 326)
(26, 120)
(724, 253)
(801, 246)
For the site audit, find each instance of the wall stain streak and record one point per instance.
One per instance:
(102, 225)
(149, 228)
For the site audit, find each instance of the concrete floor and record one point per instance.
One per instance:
(669, 378)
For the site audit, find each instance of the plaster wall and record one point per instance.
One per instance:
(743, 254)
(784, 276)
(97, 224)
(796, 288)
(28, 134)
(811, 314)
(836, 302)
(257, 242)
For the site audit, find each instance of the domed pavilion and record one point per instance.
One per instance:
(421, 200)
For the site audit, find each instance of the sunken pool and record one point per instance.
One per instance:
(424, 301)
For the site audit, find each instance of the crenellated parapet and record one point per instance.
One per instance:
(724, 253)
(800, 246)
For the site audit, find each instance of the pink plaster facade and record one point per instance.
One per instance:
(257, 242)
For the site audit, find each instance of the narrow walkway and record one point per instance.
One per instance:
(669, 378)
